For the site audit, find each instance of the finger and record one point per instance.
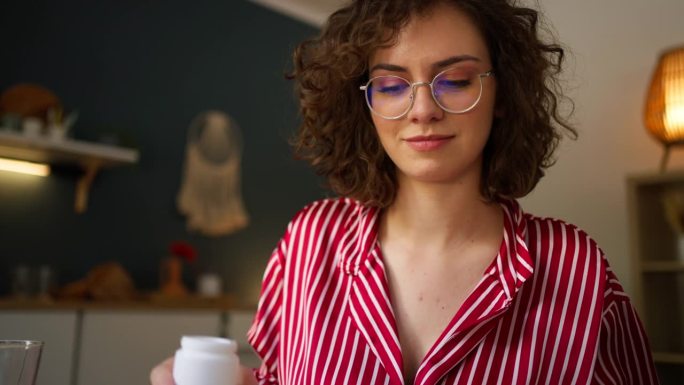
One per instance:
(162, 374)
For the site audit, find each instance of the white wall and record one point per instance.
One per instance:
(614, 47)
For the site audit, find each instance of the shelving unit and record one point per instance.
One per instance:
(658, 270)
(90, 157)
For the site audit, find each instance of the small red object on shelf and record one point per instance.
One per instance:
(171, 274)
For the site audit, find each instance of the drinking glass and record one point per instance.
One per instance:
(19, 360)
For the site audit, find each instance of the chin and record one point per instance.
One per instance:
(440, 174)
(431, 176)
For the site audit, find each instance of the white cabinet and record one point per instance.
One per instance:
(120, 347)
(239, 322)
(57, 328)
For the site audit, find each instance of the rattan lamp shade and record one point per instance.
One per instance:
(664, 113)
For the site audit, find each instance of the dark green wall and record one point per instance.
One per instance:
(144, 69)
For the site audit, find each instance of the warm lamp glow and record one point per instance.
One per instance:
(674, 109)
(22, 167)
(664, 113)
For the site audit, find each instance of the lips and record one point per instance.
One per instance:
(428, 142)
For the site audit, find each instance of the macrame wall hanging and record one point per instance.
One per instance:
(210, 194)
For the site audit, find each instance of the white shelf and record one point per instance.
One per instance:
(91, 157)
(66, 151)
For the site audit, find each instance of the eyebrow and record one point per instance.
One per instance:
(438, 65)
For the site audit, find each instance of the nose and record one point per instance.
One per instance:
(424, 108)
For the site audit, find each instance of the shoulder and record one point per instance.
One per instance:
(568, 246)
(329, 219)
(546, 235)
(564, 252)
(552, 233)
(335, 209)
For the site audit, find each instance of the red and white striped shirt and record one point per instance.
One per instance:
(548, 310)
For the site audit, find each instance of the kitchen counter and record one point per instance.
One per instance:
(148, 302)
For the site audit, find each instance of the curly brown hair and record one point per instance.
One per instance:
(337, 134)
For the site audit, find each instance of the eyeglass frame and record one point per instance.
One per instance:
(412, 97)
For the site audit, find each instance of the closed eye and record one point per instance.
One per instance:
(396, 89)
(453, 84)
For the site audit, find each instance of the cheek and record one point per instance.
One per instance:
(383, 130)
(484, 126)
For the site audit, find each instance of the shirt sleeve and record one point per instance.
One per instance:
(623, 356)
(265, 330)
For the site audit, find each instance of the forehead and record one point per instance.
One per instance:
(442, 32)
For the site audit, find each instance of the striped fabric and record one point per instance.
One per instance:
(548, 310)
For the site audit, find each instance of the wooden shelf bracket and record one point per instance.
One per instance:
(83, 186)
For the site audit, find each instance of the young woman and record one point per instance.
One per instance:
(429, 118)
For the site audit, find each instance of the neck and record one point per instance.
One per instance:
(440, 215)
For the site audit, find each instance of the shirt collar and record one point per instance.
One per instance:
(360, 234)
(513, 263)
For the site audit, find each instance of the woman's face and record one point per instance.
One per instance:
(428, 144)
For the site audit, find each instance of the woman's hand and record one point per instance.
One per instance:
(247, 375)
(162, 374)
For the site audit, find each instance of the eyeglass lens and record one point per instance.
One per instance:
(455, 90)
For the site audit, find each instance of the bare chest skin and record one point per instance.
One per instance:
(427, 290)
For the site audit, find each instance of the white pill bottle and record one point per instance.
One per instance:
(203, 360)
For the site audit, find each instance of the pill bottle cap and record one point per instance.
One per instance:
(207, 344)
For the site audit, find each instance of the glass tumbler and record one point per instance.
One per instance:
(19, 360)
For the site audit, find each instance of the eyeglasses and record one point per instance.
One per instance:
(455, 90)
